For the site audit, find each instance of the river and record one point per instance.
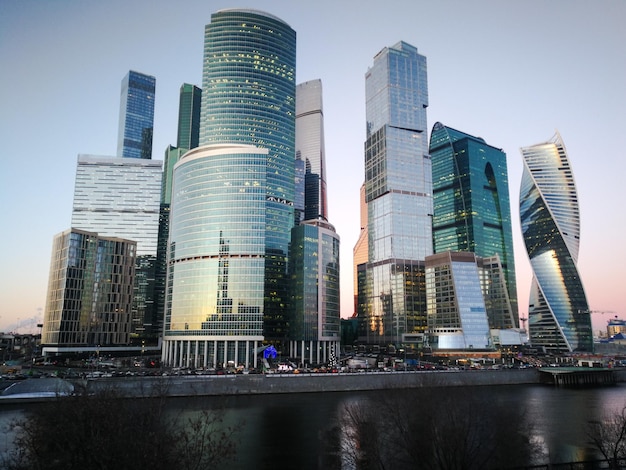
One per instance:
(288, 431)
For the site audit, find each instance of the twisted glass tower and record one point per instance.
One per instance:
(233, 197)
(558, 313)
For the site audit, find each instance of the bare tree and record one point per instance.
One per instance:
(608, 436)
(105, 431)
(434, 428)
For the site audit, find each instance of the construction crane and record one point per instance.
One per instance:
(596, 311)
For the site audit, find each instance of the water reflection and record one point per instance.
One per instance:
(295, 431)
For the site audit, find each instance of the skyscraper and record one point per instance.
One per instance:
(558, 314)
(134, 138)
(232, 205)
(310, 148)
(119, 197)
(187, 138)
(471, 202)
(398, 193)
(314, 321)
(89, 291)
(189, 116)
(314, 326)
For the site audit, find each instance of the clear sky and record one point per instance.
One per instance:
(511, 72)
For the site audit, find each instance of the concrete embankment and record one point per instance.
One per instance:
(215, 385)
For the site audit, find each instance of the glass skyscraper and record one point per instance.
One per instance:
(558, 313)
(310, 148)
(90, 288)
(471, 203)
(314, 322)
(187, 138)
(398, 193)
(189, 116)
(233, 198)
(314, 327)
(136, 123)
(119, 197)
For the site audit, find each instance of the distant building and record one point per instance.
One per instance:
(315, 318)
(398, 193)
(90, 291)
(314, 327)
(310, 148)
(189, 116)
(457, 315)
(119, 197)
(188, 136)
(136, 121)
(471, 203)
(232, 205)
(615, 327)
(558, 313)
(360, 254)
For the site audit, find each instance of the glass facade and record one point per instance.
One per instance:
(558, 313)
(471, 201)
(90, 289)
(217, 256)
(119, 197)
(249, 97)
(136, 116)
(495, 292)
(398, 193)
(314, 326)
(188, 138)
(457, 316)
(189, 116)
(310, 147)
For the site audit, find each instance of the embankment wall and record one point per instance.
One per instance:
(215, 385)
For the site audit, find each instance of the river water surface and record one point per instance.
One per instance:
(288, 431)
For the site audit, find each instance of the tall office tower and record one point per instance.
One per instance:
(232, 206)
(315, 320)
(89, 291)
(310, 147)
(187, 138)
(398, 193)
(471, 202)
(119, 197)
(314, 327)
(558, 313)
(134, 138)
(360, 250)
(457, 316)
(189, 116)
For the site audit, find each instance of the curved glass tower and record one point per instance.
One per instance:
(472, 211)
(558, 313)
(232, 200)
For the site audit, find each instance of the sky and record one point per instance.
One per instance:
(510, 72)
